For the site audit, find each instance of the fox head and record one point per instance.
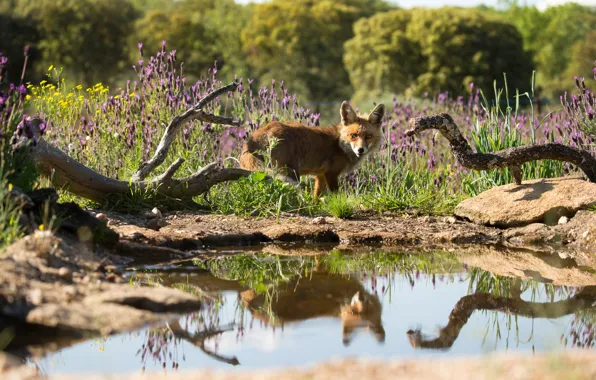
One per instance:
(362, 313)
(360, 134)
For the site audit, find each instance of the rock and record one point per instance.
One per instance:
(155, 211)
(198, 219)
(101, 216)
(319, 220)
(534, 233)
(35, 288)
(156, 224)
(450, 220)
(542, 200)
(563, 220)
(65, 273)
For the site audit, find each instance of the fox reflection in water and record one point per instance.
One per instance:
(320, 295)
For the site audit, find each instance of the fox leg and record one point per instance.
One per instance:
(332, 182)
(320, 185)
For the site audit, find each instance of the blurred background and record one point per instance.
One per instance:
(324, 50)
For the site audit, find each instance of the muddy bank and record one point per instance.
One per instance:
(190, 232)
(55, 282)
(570, 365)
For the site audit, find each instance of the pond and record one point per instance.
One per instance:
(271, 311)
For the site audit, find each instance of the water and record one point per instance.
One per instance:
(280, 311)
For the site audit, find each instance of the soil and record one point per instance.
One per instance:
(571, 365)
(185, 233)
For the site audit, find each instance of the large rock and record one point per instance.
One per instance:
(542, 200)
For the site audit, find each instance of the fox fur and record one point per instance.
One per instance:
(325, 153)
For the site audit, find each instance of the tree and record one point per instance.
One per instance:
(432, 50)
(302, 42)
(582, 57)
(201, 32)
(550, 36)
(15, 34)
(86, 37)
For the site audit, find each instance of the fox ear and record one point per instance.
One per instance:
(348, 116)
(376, 115)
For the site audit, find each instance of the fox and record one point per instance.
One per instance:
(322, 297)
(325, 153)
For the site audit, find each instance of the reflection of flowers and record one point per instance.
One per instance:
(580, 331)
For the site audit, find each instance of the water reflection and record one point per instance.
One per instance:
(394, 299)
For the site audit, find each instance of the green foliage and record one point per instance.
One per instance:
(302, 42)
(582, 57)
(404, 188)
(340, 205)
(551, 37)
(258, 195)
(10, 212)
(201, 33)
(433, 50)
(86, 37)
(498, 131)
(15, 34)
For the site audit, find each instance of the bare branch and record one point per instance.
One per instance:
(199, 339)
(512, 158)
(77, 178)
(194, 113)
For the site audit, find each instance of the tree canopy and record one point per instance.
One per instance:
(431, 50)
(302, 42)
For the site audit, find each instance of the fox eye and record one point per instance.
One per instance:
(354, 135)
(369, 136)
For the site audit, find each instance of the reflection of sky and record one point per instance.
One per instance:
(312, 341)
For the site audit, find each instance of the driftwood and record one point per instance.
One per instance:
(511, 158)
(77, 178)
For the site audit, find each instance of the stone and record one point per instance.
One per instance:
(101, 216)
(155, 211)
(563, 220)
(536, 201)
(319, 220)
(450, 220)
(156, 224)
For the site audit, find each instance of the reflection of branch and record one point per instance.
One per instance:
(199, 339)
(482, 301)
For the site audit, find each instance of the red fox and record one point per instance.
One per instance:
(323, 152)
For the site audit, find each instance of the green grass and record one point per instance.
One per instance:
(341, 205)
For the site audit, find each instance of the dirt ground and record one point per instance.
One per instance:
(187, 232)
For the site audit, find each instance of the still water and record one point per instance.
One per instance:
(263, 311)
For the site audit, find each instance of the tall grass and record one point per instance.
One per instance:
(113, 130)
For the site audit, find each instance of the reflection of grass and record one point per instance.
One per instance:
(504, 286)
(382, 263)
(6, 336)
(512, 287)
(260, 271)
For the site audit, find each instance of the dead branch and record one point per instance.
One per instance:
(77, 178)
(199, 339)
(67, 173)
(194, 113)
(511, 158)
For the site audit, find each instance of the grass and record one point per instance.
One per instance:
(407, 175)
(340, 205)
